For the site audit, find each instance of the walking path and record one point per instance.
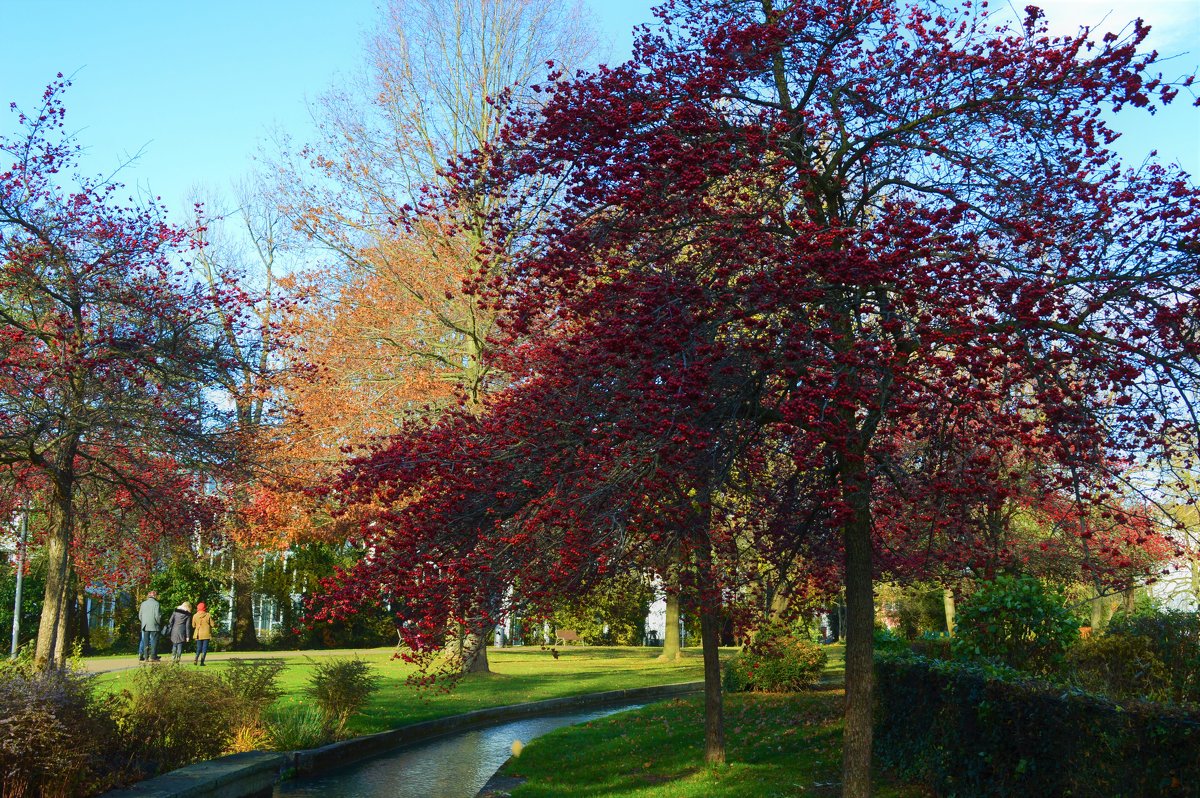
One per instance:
(112, 664)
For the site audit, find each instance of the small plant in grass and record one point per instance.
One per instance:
(776, 662)
(1017, 621)
(341, 687)
(296, 726)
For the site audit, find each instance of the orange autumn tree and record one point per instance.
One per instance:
(388, 325)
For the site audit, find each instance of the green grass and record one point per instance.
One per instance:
(776, 745)
(519, 675)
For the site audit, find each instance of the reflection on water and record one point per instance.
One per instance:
(449, 767)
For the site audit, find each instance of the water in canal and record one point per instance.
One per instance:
(456, 766)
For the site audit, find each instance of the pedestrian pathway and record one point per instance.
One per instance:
(113, 664)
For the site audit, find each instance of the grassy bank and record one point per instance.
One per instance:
(519, 675)
(777, 745)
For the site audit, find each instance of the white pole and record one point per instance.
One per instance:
(16, 630)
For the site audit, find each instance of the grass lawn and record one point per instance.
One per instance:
(519, 675)
(776, 745)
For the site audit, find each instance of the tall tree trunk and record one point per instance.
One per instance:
(48, 652)
(714, 719)
(948, 603)
(671, 650)
(860, 618)
(244, 638)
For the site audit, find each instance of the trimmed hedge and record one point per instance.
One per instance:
(971, 730)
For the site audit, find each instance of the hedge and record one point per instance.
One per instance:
(965, 731)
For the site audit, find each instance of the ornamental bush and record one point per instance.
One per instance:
(970, 729)
(1015, 620)
(55, 739)
(776, 662)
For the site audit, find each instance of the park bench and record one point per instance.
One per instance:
(564, 637)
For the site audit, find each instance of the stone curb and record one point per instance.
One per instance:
(236, 776)
(255, 773)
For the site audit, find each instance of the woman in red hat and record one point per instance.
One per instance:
(202, 624)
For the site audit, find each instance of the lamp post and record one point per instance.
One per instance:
(24, 534)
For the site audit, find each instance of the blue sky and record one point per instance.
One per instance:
(194, 87)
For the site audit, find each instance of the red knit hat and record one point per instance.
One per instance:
(200, 606)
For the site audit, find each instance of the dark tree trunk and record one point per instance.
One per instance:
(714, 716)
(860, 617)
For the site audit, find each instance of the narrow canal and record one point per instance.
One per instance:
(456, 766)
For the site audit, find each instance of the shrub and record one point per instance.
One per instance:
(933, 646)
(341, 687)
(1016, 621)
(176, 716)
(968, 729)
(54, 739)
(255, 684)
(1119, 666)
(1174, 635)
(776, 662)
(294, 727)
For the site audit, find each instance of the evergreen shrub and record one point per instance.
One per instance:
(1016, 621)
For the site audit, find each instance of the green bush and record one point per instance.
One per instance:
(1174, 635)
(776, 662)
(341, 687)
(1015, 620)
(966, 729)
(175, 716)
(933, 647)
(1119, 666)
(887, 640)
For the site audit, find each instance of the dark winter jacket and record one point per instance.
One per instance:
(179, 626)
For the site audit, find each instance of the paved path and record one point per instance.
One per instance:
(111, 664)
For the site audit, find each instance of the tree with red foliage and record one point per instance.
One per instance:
(789, 233)
(106, 350)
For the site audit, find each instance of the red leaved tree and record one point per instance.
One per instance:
(797, 231)
(107, 347)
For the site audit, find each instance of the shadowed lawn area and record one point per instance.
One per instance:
(777, 745)
(519, 675)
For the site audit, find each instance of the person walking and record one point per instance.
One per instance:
(179, 629)
(202, 626)
(150, 616)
